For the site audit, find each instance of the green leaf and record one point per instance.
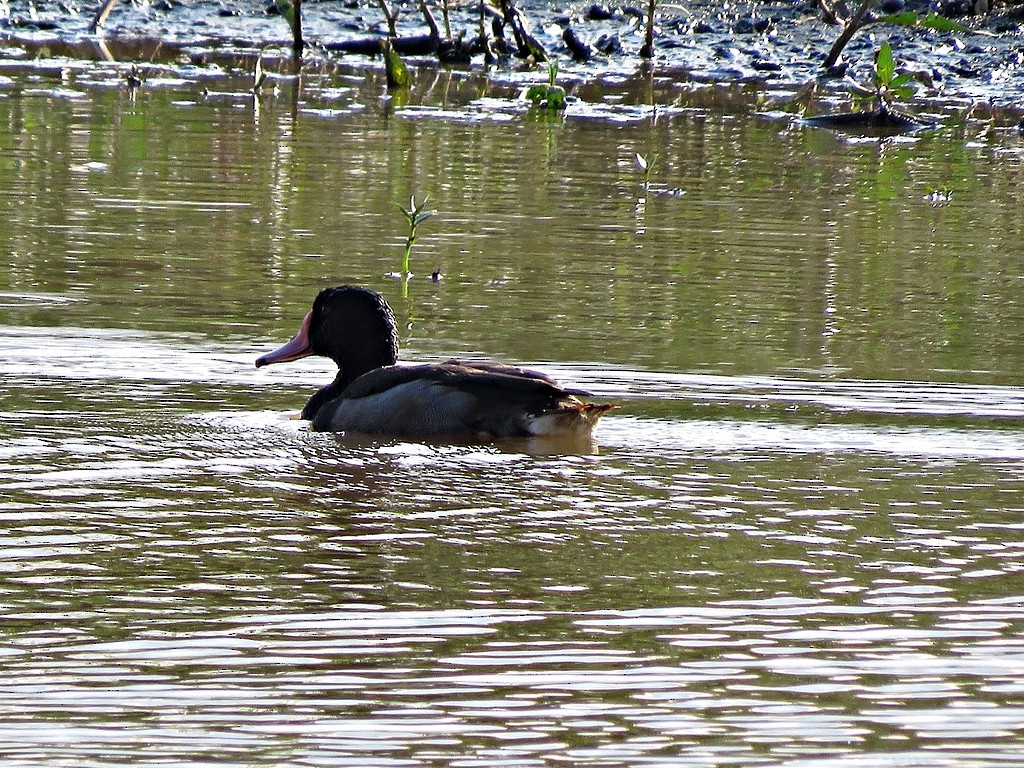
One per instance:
(941, 23)
(394, 68)
(421, 216)
(555, 98)
(885, 66)
(901, 80)
(287, 10)
(536, 94)
(415, 214)
(551, 97)
(552, 71)
(931, 21)
(905, 19)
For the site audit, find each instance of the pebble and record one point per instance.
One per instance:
(892, 6)
(748, 25)
(598, 12)
(608, 44)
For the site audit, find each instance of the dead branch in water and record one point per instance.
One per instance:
(101, 15)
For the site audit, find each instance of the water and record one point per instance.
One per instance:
(800, 537)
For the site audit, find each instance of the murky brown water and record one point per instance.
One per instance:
(801, 539)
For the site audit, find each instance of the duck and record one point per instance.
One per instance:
(373, 394)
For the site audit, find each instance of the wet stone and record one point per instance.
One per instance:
(608, 44)
(598, 12)
(750, 25)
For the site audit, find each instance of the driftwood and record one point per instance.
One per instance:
(526, 44)
(412, 45)
(859, 18)
(875, 121)
(101, 15)
(580, 51)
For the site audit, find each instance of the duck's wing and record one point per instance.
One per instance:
(525, 374)
(492, 377)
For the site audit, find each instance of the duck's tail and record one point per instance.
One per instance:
(572, 418)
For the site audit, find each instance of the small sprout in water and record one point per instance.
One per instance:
(395, 71)
(887, 83)
(259, 75)
(646, 165)
(414, 216)
(550, 96)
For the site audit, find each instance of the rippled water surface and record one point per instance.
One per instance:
(801, 535)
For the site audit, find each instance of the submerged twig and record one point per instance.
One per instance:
(489, 57)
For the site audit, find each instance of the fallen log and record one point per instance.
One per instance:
(412, 45)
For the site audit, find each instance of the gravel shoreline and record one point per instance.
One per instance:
(779, 46)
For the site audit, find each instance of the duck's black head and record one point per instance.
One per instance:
(352, 326)
(355, 327)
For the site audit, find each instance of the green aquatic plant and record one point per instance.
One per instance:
(862, 17)
(890, 84)
(646, 165)
(549, 96)
(887, 83)
(395, 71)
(414, 216)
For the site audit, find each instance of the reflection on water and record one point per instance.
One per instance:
(699, 590)
(800, 536)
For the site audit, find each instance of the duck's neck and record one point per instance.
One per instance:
(350, 368)
(324, 395)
